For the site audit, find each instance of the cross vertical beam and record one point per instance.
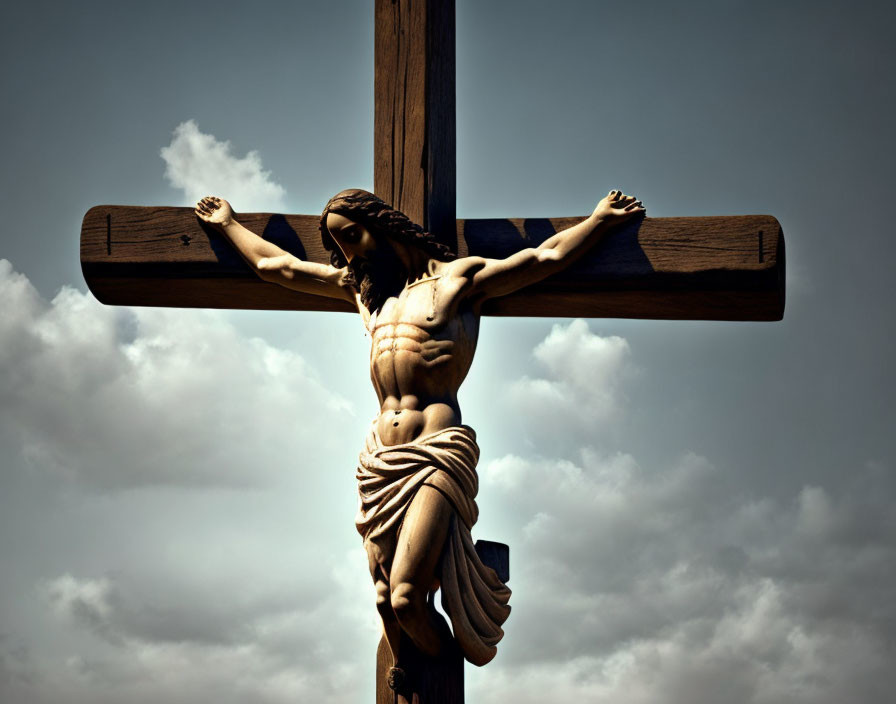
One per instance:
(414, 112)
(414, 171)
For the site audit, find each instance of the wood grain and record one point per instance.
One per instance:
(414, 113)
(438, 680)
(693, 268)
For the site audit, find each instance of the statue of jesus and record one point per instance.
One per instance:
(417, 474)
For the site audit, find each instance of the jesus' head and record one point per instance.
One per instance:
(361, 232)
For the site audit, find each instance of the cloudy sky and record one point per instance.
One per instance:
(697, 512)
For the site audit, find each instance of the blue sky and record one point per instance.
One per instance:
(177, 487)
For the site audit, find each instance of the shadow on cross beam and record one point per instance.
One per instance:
(277, 230)
(693, 268)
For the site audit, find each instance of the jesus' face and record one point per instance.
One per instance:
(372, 260)
(352, 237)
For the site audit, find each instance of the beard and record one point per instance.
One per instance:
(379, 277)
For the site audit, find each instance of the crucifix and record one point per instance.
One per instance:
(421, 278)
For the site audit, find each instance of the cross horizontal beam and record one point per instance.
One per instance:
(689, 268)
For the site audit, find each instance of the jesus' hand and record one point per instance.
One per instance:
(214, 211)
(618, 207)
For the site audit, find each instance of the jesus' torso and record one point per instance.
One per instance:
(423, 341)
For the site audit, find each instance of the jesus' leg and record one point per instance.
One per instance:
(421, 540)
(391, 629)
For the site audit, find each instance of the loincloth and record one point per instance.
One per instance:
(389, 477)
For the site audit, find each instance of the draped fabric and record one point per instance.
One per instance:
(389, 477)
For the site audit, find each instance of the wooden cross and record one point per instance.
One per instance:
(688, 268)
(691, 268)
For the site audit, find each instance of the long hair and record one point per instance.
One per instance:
(382, 220)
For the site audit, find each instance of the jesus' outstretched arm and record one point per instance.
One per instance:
(269, 261)
(498, 277)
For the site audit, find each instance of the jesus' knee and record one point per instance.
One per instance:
(426, 628)
(409, 604)
(383, 599)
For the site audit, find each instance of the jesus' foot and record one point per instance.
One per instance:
(396, 679)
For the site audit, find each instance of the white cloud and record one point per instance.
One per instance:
(136, 425)
(200, 165)
(815, 518)
(86, 602)
(582, 387)
(674, 583)
(113, 397)
(17, 672)
(755, 652)
(275, 649)
(632, 585)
